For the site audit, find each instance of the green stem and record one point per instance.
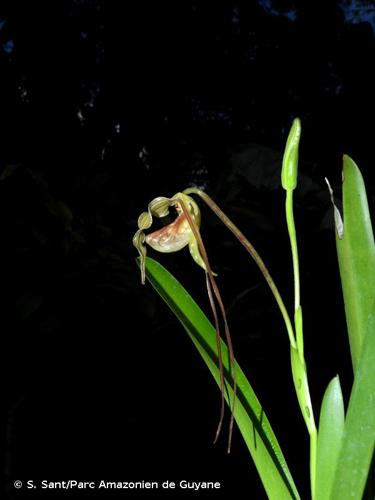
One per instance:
(293, 244)
(313, 448)
(254, 254)
(300, 372)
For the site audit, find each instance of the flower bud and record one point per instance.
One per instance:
(290, 160)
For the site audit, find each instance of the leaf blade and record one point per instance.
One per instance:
(249, 414)
(356, 254)
(331, 429)
(359, 433)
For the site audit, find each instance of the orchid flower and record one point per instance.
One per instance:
(182, 232)
(174, 236)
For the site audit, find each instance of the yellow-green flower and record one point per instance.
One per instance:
(174, 236)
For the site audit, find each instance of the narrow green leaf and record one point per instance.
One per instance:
(359, 432)
(249, 415)
(356, 253)
(331, 429)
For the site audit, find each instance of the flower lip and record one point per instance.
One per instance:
(172, 237)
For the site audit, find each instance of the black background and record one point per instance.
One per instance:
(105, 105)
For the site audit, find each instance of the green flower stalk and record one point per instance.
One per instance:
(289, 182)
